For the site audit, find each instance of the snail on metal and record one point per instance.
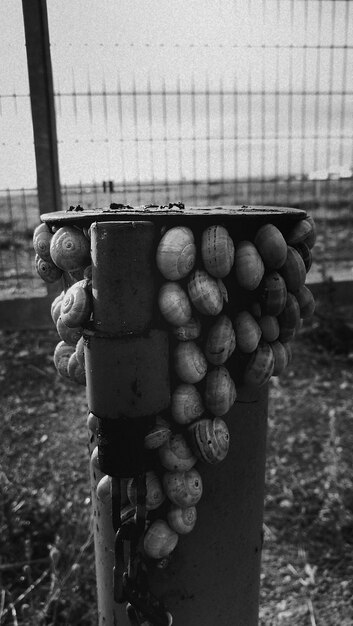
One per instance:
(212, 337)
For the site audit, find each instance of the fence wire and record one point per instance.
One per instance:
(261, 115)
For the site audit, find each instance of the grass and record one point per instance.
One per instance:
(47, 562)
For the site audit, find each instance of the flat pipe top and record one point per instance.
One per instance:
(151, 212)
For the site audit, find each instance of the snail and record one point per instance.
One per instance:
(210, 439)
(47, 270)
(217, 249)
(204, 293)
(174, 304)
(183, 488)
(158, 434)
(305, 253)
(176, 253)
(104, 489)
(220, 392)
(70, 335)
(272, 294)
(220, 341)
(189, 362)
(70, 249)
(188, 331)
(269, 327)
(186, 404)
(303, 232)
(271, 245)
(259, 369)
(182, 520)
(80, 351)
(75, 370)
(175, 454)
(306, 301)
(289, 319)
(249, 266)
(154, 491)
(76, 305)
(280, 355)
(247, 332)
(62, 354)
(92, 423)
(293, 270)
(159, 540)
(41, 241)
(55, 308)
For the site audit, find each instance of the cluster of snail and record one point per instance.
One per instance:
(229, 306)
(66, 253)
(192, 301)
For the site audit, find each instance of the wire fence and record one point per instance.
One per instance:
(263, 117)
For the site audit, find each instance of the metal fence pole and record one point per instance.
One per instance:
(42, 103)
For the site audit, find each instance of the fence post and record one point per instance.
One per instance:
(42, 103)
(214, 572)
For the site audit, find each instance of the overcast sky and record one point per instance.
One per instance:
(97, 45)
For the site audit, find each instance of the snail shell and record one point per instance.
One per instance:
(104, 488)
(41, 241)
(175, 453)
(271, 245)
(80, 351)
(176, 253)
(69, 248)
(306, 254)
(159, 540)
(189, 362)
(55, 308)
(92, 423)
(293, 271)
(174, 304)
(183, 488)
(186, 404)
(220, 342)
(249, 266)
(247, 332)
(272, 294)
(269, 327)
(62, 354)
(47, 270)
(210, 439)
(154, 491)
(189, 331)
(289, 319)
(280, 355)
(76, 305)
(204, 293)
(306, 302)
(182, 520)
(220, 392)
(217, 249)
(70, 335)
(75, 370)
(303, 232)
(260, 367)
(158, 434)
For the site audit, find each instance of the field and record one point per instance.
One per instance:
(47, 572)
(47, 564)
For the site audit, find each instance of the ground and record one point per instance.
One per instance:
(47, 563)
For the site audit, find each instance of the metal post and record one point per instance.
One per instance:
(42, 103)
(214, 572)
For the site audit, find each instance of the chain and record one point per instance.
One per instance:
(130, 573)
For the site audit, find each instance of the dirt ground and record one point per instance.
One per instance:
(47, 565)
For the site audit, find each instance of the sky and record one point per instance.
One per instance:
(241, 47)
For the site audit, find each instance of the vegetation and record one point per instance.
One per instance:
(47, 561)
